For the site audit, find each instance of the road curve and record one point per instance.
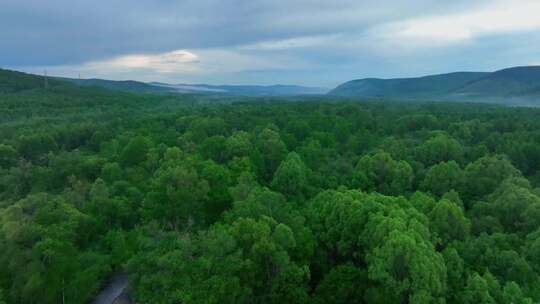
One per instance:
(113, 290)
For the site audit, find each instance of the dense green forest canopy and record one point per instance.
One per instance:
(253, 200)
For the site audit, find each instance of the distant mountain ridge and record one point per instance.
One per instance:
(518, 81)
(14, 81)
(119, 85)
(511, 84)
(413, 87)
(159, 87)
(246, 90)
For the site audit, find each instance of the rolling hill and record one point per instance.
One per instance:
(512, 85)
(245, 90)
(407, 87)
(518, 81)
(120, 85)
(159, 87)
(13, 81)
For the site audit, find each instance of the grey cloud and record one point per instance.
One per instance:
(63, 31)
(296, 41)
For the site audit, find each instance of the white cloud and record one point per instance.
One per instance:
(178, 60)
(198, 61)
(175, 66)
(500, 17)
(264, 41)
(292, 43)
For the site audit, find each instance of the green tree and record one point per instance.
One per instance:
(238, 144)
(484, 175)
(516, 206)
(8, 156)
(246, 261)
(41, 250)
(448, 223)
(35, 147)
(313, 153)
(443, 177)
(270, 152)
(343, 284)
(379, 172)
(203, 127)
(455, 271)
(214, 148)
(219, 198)
(476, 291)
(177, 197)
(512, 294)
(532, 249)
(299, 128)
(408, 268)
(440, 148)
(112, 172)
(135, 151)
(245, 184)
(291, 177)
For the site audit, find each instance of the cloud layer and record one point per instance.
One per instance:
(261, 41)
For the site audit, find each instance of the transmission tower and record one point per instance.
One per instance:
(45, 79)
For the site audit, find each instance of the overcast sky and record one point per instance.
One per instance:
(317, 42)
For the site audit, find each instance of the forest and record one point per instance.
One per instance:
(223, 199)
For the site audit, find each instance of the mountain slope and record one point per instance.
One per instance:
(511, 82)
(158, 87)
(122, 85)
(517, 85)
(14, 81)
(407, 87)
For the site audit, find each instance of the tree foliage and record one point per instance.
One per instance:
(218, 199)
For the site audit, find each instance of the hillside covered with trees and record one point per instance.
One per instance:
(510, 86)
(265, 200)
